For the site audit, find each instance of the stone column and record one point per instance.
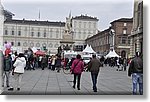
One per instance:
(131, 47)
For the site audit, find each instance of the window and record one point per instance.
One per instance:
(44, 34)
(84, 24)
(19, 33)
(125, 24)
(89, 24)
(12, 33)
(51, 30)
(18, 44)
(38, 34)
(6, 32)
(123, 40)
(12, 43)
(124, 31)
(32, 34)
(79, 24)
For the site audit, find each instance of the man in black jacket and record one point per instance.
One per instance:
(7, 67)
(136, 70)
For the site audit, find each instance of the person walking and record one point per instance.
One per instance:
(58, 63)
(44, 62)
(136, 71)
(53, 62)
(94, 67)
(49, 63)
(19, 66)
(7, 67)
(77, 69)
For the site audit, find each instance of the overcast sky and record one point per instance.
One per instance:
(57, 10)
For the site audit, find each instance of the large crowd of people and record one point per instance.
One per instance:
(16, 64)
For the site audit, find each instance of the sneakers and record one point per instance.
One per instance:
(18, 89)
(10, 89)
(73, 87)
(95, 90)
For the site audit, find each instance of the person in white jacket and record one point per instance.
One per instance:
(19, 66)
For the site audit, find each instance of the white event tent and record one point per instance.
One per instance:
(112, 54)
(88, 49)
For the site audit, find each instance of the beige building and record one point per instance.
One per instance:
(40, 34)
(136, 36)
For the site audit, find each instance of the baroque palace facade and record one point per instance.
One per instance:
(137, 30)
(24, 34)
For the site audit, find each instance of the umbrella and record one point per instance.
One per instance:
(39, 52)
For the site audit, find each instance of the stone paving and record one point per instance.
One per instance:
(47, 82)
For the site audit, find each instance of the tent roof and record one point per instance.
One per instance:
(88, 49)
(112, 54)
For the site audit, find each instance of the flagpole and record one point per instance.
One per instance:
(39, 14)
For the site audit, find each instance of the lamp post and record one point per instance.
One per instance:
(112, 34)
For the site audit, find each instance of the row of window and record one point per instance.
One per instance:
(25, 44)
(85, 24)
(32, 34)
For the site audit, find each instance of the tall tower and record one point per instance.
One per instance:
(1, 23)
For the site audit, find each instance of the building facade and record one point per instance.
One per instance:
(137, 30)
(102, 43)
(83, 27)
(24, 34)
(1, 23)
(122, 28)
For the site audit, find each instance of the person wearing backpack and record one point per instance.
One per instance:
(77, 69)
(136, 71)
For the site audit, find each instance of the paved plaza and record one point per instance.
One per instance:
(47, 82)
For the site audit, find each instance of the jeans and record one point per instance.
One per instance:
(7, 75)
(94, 80)
(137, 79)
(78, 82)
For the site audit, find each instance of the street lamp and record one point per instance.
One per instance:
(112, 34)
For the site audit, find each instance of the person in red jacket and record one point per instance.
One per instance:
(77, 68)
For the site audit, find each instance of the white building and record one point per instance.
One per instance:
(1, 23)
(28, 33)
(83, 27)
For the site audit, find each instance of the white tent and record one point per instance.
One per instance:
(92, 49)
(88, 49)
(112, 54)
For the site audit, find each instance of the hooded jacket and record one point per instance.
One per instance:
(19, 65)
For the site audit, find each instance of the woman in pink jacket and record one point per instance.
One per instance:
(77, 68)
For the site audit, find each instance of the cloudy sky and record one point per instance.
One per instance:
(57, 10)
